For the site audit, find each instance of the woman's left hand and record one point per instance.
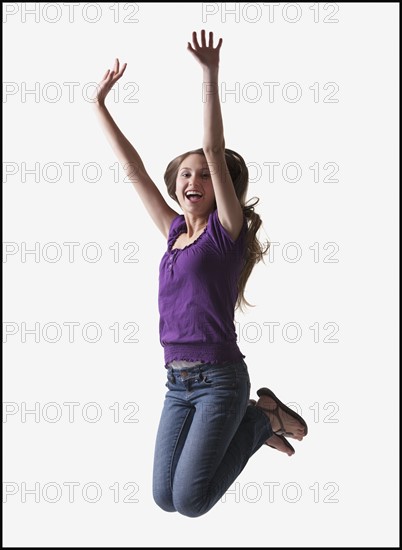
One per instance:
(207, 56)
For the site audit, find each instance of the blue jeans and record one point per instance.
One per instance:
(207, 433)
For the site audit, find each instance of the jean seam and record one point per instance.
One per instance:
(224, 477)
(174, 451)
(235, 399)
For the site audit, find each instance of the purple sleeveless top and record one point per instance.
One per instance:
(198, 293)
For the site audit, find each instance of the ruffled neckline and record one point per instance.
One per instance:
(182, 229)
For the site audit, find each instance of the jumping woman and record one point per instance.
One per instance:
(209, 426)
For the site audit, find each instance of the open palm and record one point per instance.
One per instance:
(207, 56)
(108, 81)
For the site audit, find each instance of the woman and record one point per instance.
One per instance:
(209, 428)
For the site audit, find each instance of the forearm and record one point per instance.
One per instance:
(213, 124)
(125, 152)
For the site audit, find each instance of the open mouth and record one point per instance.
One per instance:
(193, 196)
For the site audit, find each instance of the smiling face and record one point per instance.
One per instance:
(194, 175)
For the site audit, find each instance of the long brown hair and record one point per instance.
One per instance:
(239, 174)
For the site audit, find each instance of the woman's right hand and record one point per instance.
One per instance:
(107, 83)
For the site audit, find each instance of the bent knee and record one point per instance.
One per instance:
(164, 501)
(190, 507)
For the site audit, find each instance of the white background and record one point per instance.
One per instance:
(350, 453)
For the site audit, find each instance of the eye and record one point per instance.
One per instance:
(184, 174)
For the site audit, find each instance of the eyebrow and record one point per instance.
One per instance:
(186, 168)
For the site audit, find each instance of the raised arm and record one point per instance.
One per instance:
(230, 212)
(157, 207)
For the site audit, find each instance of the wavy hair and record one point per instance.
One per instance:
(238, 170)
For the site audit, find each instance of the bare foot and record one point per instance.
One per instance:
(279, 443)
(281, 421)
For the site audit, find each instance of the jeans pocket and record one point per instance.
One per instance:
(219, 377)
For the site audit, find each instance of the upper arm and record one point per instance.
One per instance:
(155, 204)
(230, 211)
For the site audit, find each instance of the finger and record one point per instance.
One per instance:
(116, 66)
(121, 72)
(190, 47)
(195, 41)
(203, 42)
(211, 39)
(108, 75)
(105, 75)
(219, 44)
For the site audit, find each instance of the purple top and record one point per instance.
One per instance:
(198, 293)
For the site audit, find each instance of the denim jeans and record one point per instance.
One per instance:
(206, 435)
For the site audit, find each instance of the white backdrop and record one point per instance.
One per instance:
(84, 377)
